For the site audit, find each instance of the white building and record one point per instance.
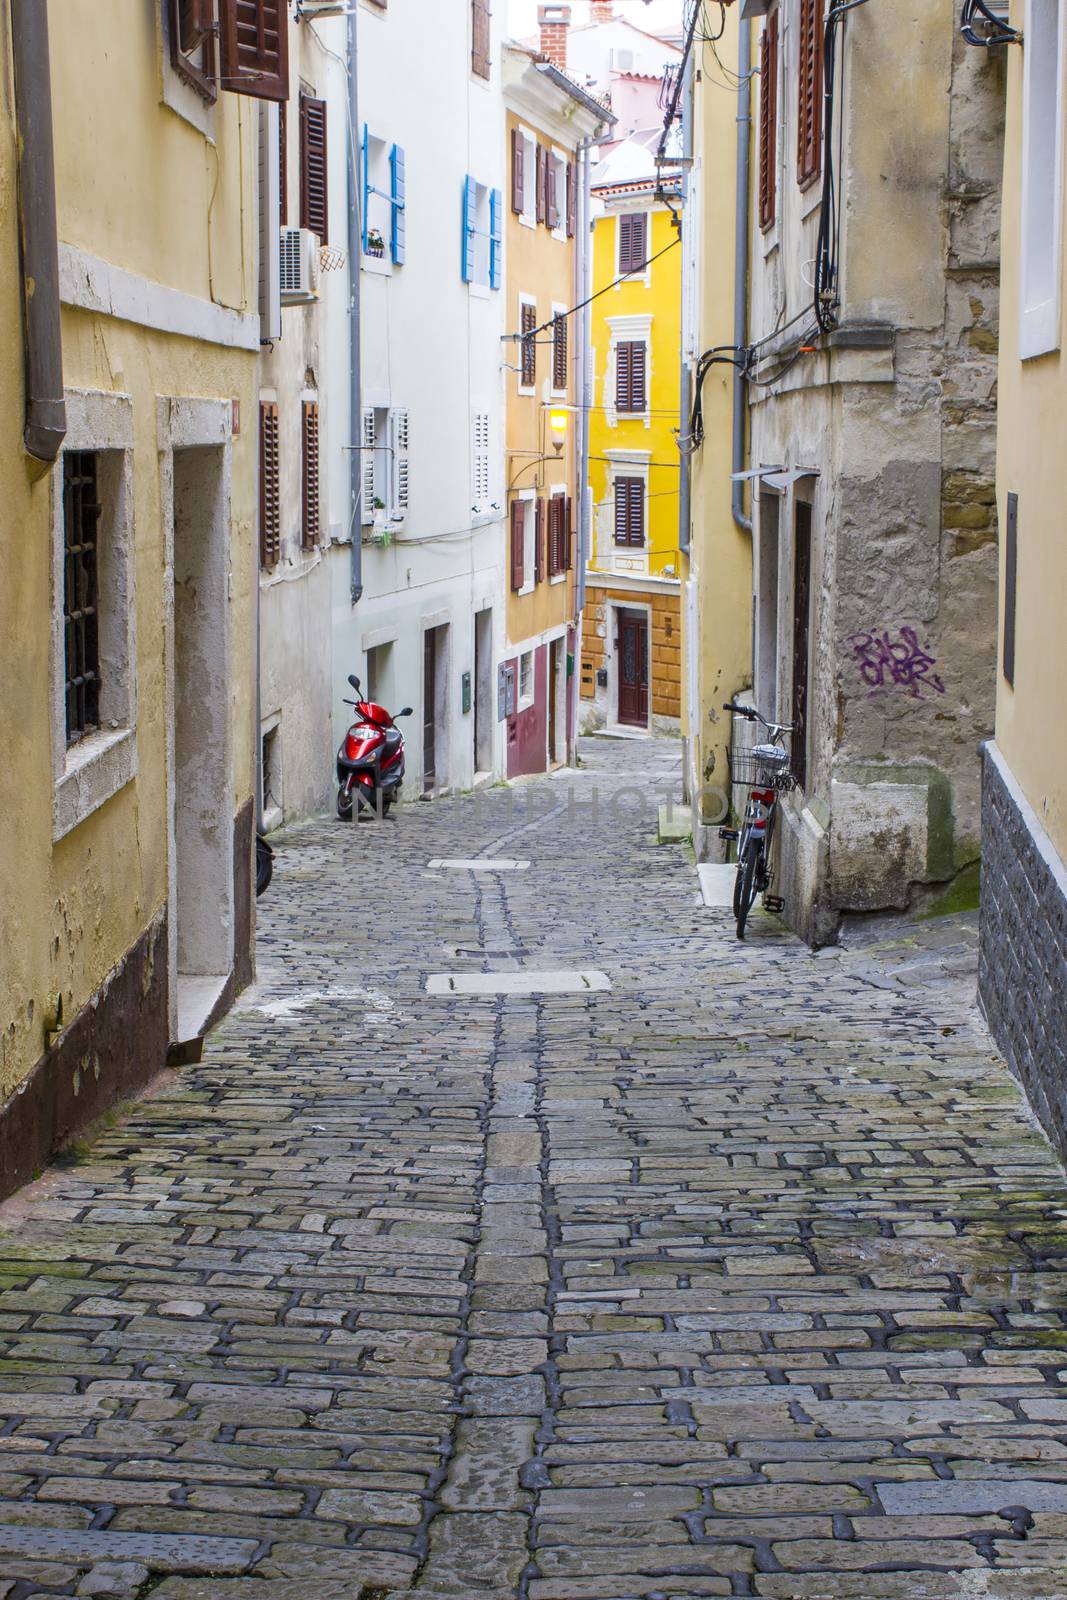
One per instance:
(418, 595)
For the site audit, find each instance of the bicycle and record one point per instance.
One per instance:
(762, 770)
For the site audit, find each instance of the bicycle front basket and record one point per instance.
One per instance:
(771, 756)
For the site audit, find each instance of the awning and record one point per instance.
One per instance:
(753, 472)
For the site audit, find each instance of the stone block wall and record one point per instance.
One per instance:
(1022, 975)
(664, 647)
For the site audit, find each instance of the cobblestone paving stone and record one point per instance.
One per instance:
(746, 1277)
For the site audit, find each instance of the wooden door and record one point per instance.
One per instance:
(801, 640)
(429, 703)
(633, 670)
(553, 698)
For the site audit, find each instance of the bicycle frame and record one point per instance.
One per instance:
(755, 838)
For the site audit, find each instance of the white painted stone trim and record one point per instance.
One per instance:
(90, 284)
(1042, 843)
(493, 983)
(88, 773)
(481, 864)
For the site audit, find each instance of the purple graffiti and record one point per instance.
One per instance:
(886, 662)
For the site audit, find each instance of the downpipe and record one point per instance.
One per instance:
(741, 225)
(355, 257)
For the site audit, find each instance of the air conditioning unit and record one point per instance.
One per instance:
(299, 252)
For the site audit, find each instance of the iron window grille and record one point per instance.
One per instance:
(81, 593)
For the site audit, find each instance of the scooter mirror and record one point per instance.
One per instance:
(354, 681)
(407, 712)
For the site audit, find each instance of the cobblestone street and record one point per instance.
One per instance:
(743, 1276)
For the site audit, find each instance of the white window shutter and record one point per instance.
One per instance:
(399, 442)
(370, 442)
(270, 299)
(480, 462)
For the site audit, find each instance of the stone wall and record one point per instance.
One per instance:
(1022, 975)
(664, 647)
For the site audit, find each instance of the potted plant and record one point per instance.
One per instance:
(375, 243)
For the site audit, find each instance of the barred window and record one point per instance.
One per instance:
(81, 592)
(559, 352)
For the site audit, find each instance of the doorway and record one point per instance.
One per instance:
(434, 708)
(483, 691)
(202, 883)
(633, 668)
(766, 652)
(801, 640)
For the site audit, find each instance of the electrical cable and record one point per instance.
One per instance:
(561, 315)
(999, 31)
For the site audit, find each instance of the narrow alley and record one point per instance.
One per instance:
(741, 1276)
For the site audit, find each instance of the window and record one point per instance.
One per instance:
(518, 171)
(633, 242)
(254, 47)
(559, 352)
(556, 193)
(768, 124)
(518, 543)
(309, 530)
(481, 485)
(482, 244)
(526, 679)
(572, 199)
(192, 44)
(1042, 179)
(528, 347)
(630, 512)
(384, 199)
(386, 472)
(809, 93)
(81, 592)
(270, 511)
(630, 369)
(283, 164)
(313, 195)
(481, 38)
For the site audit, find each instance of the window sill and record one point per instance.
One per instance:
(560, 577)
(97, 767)
(527, 221)
(526, 392)
(481, 291)
(380, 266)
(527, 588)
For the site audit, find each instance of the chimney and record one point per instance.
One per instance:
(554, 21)
(603, 10)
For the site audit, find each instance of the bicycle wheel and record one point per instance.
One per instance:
(742, 848)
(745, 890)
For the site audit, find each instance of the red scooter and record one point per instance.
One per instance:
(370, 762)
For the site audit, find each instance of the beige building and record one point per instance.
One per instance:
(129, 544)
(872, 400)
(1023, 975)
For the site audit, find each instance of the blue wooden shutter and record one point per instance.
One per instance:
(365, 196)
(468, 228)
(398, 169)
(496, 206)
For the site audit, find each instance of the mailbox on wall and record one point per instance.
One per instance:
(505, 693)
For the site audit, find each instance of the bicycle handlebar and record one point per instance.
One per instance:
(750, 714)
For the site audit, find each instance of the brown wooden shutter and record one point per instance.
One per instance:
(809, 92)
(768, 124)
(480, 38)
(630, 511)
(633, 241)
(313, 196)
(254, 47)
(283, 162)
(539, 541)
(553, 535)
(270, 517)
(572, 199)
(518, 540)
(310, 464)
(630, 375)
(518, 171)
(551, 190)
(542, 183)
(528, 359)
(568, 533)
(559, 352)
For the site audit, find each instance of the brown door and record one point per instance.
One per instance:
(801, 639)
(553, 698)
(633, 670)
(429, 703)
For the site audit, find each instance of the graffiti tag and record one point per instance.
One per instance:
(901, 662)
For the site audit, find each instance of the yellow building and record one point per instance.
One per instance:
(549, 120)
(1023, 972)
(129, 535)
(717, 567)
(631, 641)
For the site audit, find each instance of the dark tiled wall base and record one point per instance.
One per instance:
(1022, 980)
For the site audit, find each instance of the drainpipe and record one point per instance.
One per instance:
(741, 220)
(585, 289)
(46, 414)
(355, 257)
(688, 267)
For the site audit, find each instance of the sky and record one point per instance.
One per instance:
(522, 14)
